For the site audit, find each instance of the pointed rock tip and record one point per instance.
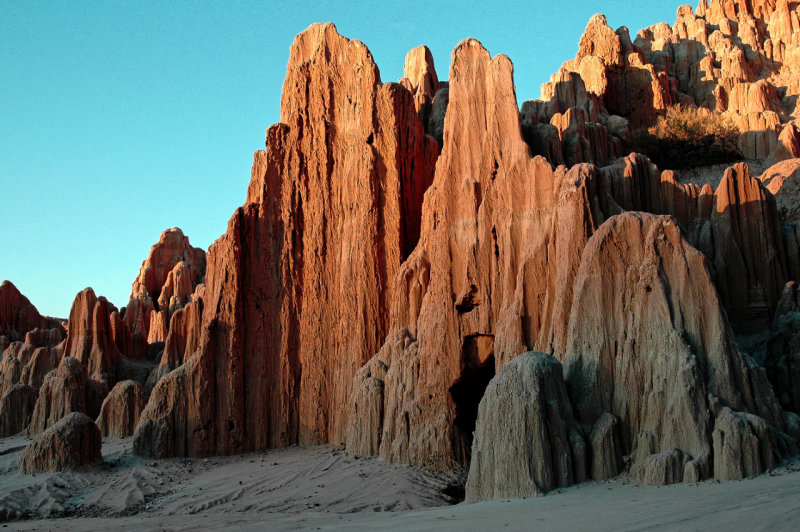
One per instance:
(309, 41)
(597, 19)
(419, 58)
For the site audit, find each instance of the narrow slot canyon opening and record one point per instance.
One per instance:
(467, 392)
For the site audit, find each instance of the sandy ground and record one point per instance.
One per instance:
(325, 488)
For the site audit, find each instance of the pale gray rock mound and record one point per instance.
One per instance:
(71, 444)
(742, 445)
(605, 447)
(526, 442)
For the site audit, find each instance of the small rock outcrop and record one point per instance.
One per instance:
(605, 447)
(526, 442)
(16, 409)
(172, 269)
(120, 411)
(742, 445)
(90, 337)
(71, 444)
(18, 316)
(63, 391)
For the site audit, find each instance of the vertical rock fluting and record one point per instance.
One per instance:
(660, 354)
(736, 226)
(172, 268)
(490, 278)
(166, 281)
(298, 289)
(121, 409)
(63, 391)
(496, 273)
(90, 337)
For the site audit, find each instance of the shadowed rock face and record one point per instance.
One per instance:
(120, 411)
(736, 226)
(16, 409)
(63, 391)
(659, 355)
(18, 316)
(298, 289)
(71, 444)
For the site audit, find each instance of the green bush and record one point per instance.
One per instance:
(687, 138)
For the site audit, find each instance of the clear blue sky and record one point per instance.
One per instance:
(121, 119)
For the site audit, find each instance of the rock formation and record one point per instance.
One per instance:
(18, 316)
(490, 278)
(419, 77)
(183, 338)
(783, 181)
(71, 444)
(660, 354)
(172, 269)
(120, 411)
(297, 290)
(526, 441)
(16, 409)
(736, 226)
(165, 283)
(742, 445)
(339, 305)
(63, 391)
(90, 338)
(781, 354)
(730, 57)
(15, 358)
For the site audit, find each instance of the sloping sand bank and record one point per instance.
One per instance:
(323, 487)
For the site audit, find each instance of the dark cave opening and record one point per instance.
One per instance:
(467, 392)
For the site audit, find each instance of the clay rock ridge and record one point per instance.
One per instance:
(71, 444)
(730, 57)
(510, 255)
(297, 290)
(311, 280)
(18, 316)
(166, 282)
